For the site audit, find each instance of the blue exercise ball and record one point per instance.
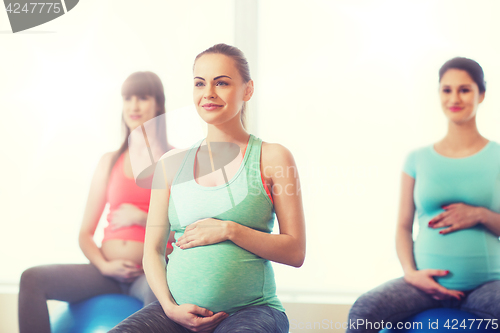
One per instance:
(94, 315)
(445, 320)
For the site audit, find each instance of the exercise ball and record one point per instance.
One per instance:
(444, 320)
(94, 315)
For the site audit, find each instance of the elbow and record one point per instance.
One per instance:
(298, 259)
(82, 238)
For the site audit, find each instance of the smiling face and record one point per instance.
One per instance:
(219, 90)
(459, 95)
(138, 109)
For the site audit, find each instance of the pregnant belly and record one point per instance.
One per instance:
(218, 277)
(472, 256)
(122, 249)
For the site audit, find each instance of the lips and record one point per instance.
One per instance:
(211, 106)
(135, 117)
(455, 109)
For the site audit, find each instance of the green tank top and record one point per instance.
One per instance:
(222, 276)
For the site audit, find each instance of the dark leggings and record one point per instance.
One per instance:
(397, 300)
(254, 319)
(69, 283)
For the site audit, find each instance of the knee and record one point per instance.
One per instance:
(30, 278)
(364, 307)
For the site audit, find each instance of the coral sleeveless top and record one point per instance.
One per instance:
(222, 276)
(122, 189)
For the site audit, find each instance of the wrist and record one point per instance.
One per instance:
(230, 230)
(101, 265)
(168, 308)
(482, 215)
(409, 271)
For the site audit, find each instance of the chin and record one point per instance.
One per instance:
(460, 119)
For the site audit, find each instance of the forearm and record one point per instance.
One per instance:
(404, 249)
(154, 265)
(281, 248)
(490, 220)
(91, 251)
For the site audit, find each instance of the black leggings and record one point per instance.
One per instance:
(69, 283)
(254, 319)
(396, 300)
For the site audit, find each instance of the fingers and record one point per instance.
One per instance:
(438, 272)
(448, 230)
(433, 223)
(446, 293)
(208, 324)
(130, 264)
(185, 241)
(201, 311)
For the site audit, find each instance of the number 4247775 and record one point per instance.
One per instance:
(43, 7)
(453, 323)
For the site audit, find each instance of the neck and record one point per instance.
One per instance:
(462, 135)
(230, 131)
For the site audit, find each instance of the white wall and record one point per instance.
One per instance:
(61, 105)
(350, 87)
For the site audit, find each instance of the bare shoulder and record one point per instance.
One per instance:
(106, 160)
(170, 163)
(172, 152)
(275, 154)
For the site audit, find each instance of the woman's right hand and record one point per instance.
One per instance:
(195, 318)
(423, 280)
(121, 270)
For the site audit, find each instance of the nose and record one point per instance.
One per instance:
(209, 92)
(455, 97)
(134, 103)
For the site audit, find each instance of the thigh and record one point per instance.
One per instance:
(150, 319)
(70, 283)
(262, 319)
(140, 289)
(484, 300)
(391, 302)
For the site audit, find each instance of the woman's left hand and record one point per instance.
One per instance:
(456, 217)
(127, 215)
(204, 232)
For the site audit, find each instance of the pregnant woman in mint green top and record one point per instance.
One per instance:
(454, 187)
(220, 197)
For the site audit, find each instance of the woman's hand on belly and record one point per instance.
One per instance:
(121, 270)
(196, 318)
(127, 215)
(423, 280)
(456, 216)
(203, 232)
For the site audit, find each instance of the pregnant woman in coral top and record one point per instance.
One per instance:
(115, 267)
(219, 277)
(454, 187)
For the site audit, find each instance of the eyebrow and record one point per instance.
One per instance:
(460, 86)
(215, 78)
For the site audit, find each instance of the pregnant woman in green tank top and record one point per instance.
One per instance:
(220, 197)
(453, 186)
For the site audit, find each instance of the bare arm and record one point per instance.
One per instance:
(157, 232)
(289, 246)
(96, 202)
(404, 229)
(490, 220)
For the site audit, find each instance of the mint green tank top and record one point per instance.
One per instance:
(222, 276)
(471, 255)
